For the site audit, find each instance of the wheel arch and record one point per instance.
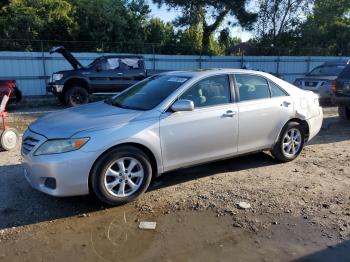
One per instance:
(76, 81)
(143, 148)
(303, 123)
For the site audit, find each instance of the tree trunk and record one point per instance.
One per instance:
(208, 30)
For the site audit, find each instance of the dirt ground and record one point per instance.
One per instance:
(300, 211)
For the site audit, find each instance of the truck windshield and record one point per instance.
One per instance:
(149, 93)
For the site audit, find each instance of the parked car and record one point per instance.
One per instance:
(320, 80)
(106, 74)
(16, 94)
(114, 148)
(341, 90)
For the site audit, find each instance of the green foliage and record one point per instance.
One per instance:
(328, 27)
(38, 19)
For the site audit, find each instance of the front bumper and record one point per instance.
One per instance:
(54, 88)
(65, 174)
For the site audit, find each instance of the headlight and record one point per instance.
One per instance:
(57, 77)
(61, 146)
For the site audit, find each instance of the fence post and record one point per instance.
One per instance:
(154, 57)
(43, 59)
(278, 63)
(308, 61)
(242, 59)
(200, 60)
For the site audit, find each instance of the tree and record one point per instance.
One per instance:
(278, 20)
(199, 13)
(328, 27)
(38, 19)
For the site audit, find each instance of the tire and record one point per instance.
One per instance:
(76, 95)
(9, 139)
(286, 150)
(344, 112)
(107, 188)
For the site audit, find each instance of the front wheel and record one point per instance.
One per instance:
(76, 95)
(290, 143)
(121, 175)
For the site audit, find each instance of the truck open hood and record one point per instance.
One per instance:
(67, 55)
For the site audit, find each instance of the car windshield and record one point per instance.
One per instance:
(333, 70)
(149, 93)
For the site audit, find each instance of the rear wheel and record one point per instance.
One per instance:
(291, 142)
(121, 175)
(344, 112)
(9, 139)
(76, 95)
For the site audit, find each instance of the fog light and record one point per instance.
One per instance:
(50, 183)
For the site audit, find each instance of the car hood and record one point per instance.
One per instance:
(68, 56)
(65, 123)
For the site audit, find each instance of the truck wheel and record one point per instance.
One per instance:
(344, 112)
(291, 142)
(121, 175)
(76, 95)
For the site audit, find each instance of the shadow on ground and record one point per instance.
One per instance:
(339, 253)
(333, 130)
(21, 205)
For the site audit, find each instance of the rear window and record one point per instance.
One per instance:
(331, 70)
(345, 73)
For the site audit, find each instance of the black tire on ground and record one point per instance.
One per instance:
(344, 112)
(62, 99)
(278, 151)
(76, 95)
(97, 179)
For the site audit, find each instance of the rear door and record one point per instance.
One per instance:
(264, 108)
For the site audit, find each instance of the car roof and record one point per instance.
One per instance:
(212, 71)
(335, 63)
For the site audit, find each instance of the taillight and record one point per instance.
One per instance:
(334, 86)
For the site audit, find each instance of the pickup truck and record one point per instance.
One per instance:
(106, 74)
(341, 90)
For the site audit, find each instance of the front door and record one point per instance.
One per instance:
(209, 132)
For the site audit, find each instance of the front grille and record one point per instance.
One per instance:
(310, 84)
(28, 144)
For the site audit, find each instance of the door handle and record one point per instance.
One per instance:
(229, 113)
(286, 103)
(119, 74)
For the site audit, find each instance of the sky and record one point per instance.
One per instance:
(169, 16)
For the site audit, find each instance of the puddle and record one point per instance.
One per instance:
(113, 235)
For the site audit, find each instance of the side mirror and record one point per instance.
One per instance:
(183, 105)
(98, 67)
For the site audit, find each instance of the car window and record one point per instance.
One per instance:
(131, 63)
(276, 91)
(331, 70)
(252, 87)
(110, 64)
(149, 93)
(211, 91)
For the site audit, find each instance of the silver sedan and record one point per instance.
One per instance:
(169, 121)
